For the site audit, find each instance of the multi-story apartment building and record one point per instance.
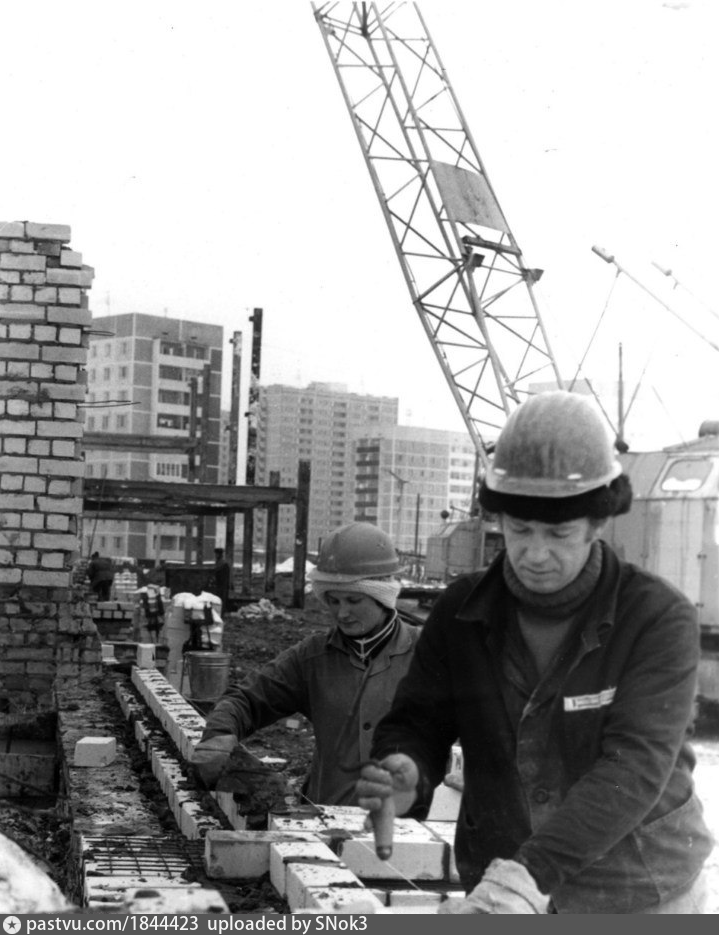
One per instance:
(314, 423)
(405, 477)
(139, 371)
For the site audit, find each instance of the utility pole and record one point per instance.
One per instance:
(416, 527)
(402, 484)
(620, 400)
(204, 438)
(251, 464)
(191, 465)
(236, 343)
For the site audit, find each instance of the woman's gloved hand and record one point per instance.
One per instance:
(506, 888)
(210, 756)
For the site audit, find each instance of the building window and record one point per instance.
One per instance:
(121, 422)
(105, 424)
(170, 373)
(118, 543)
(122, 373)
(174, 397)
(120, 469)
(106, 373)
(170, 469)
(91, 423)
(170, 420)
(108, 349)
(196, 351)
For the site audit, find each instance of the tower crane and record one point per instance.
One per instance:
(463, 267)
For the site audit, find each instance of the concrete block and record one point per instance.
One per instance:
(172, 900)
(419, 899)
(21, 293)
(416, 854)
(70, 258)
(34, 231)
(445, 830)
(95, 751)
(12, 229)
(24, 311)
(241, 854)
(330, 818)
(445, 803)
(301, 878)
(22, 261)
(339, 900)
(146, 655)
(299, 850)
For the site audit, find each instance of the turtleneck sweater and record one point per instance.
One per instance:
(546, 620)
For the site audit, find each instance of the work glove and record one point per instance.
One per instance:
(506, 888)
(210, 757)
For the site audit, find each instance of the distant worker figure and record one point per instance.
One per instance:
(100, 573)
(342, 681)
(569, 677)
(223, 574)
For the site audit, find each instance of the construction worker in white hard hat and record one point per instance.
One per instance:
(342, 681)
(569, 677)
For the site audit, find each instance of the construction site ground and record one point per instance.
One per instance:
(37, 825)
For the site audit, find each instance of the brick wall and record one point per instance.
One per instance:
(47, 638)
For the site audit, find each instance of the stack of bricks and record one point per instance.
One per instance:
(114, 620)
(47, 638)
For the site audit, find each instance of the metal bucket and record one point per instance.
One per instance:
(208, 673)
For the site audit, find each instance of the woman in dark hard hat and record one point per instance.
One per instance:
(569, 677)
(343, 681)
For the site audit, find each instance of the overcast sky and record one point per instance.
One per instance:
(203, 156)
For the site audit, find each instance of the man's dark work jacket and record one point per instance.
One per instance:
(589, 784)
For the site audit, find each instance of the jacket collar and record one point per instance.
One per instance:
(401, 641)
(490, 594)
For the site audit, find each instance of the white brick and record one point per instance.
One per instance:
(95, 751)
(282, 855)
(145, 655)
(171, 900)
(416, 854)
(445, 831)
(346, 817)
(417, 899)
(304, 877)
(341, 900)
(34, 231)
(445, 804)
(242, 854)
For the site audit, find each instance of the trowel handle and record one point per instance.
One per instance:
(382, 822)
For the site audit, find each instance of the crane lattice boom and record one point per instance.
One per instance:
(460, 260)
